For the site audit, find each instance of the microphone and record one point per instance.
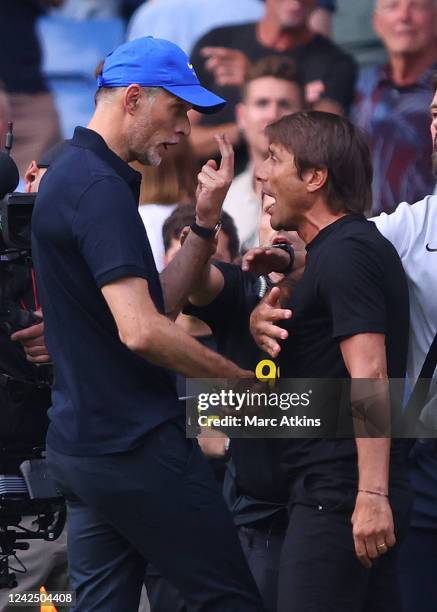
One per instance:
(9, 176)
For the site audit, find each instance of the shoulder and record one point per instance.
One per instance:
(410, 226)
(324, 46)
(355, 244)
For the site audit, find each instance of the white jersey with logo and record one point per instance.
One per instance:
(412, 229)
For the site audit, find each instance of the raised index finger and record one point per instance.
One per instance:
(227, 153)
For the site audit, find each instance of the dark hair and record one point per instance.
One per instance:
(324, 140)
(185, 214)
(283, 68)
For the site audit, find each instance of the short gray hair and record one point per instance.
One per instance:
(104, 94)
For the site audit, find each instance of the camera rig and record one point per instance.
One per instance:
(26, 489)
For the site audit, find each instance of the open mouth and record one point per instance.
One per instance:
(281, 239)
(167, 145)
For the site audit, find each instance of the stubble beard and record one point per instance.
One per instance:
(149, 157)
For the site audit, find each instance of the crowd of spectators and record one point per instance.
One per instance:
(267, 58)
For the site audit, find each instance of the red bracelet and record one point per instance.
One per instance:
(373, 492)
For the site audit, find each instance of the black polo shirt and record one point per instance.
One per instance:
(353, 283)
(87, 232)
(228, 315)
(253, 487)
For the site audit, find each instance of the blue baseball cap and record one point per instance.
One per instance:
(154, 62)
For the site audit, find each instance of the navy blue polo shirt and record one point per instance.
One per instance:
(87, 232)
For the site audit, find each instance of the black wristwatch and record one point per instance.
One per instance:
(284, 246)
(206, 232)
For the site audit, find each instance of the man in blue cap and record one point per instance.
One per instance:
(136, 488)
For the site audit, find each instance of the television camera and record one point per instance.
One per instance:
(26, 489)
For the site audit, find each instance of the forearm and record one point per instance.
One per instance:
(166, 345)
(371, 411)
(373, 464)
(204, 143)
(185, 271)
(208, 286)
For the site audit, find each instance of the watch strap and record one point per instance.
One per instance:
(205, 232)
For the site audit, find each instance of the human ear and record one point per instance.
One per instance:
(315, 179)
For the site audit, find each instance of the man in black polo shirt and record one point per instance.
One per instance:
(350, 319)
(136, 488)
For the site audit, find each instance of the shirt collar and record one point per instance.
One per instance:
(89, 139)
(425, 79)
(333, 226)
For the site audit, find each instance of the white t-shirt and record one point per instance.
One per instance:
(154, 216)
(243, 205)
(412, 229)
(185, 21)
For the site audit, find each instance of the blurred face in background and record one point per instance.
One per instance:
(267, 99)
(32, 177)
(291, 14)
(406, 26)
(222, 253)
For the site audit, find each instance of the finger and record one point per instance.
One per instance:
(227, 154)
(212, 164)
(271, 347)
(279, 314)
(29, 333)
(34, 343)
(381, 547)
(276, 333)
(206, 181)
(273, 297)
(42, 359)
(210, 171)
(372, 551)
(37, 351)
(361, 553)
(390, 539)
(267, 331)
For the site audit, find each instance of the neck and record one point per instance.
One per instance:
(315, 220)
(406, 68)
(274, 36)
(103, 124)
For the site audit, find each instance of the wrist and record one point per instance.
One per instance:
(286, 248)
(208, 222)
(376, 491)
(207, 231)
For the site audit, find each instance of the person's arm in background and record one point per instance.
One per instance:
(32, 340)
(216, 66)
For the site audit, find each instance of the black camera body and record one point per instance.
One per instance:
(15, 256)
(26, 488)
